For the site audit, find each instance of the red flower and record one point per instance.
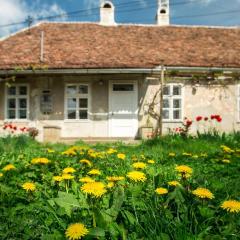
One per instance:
(15, 128)
(189, 123)
(206, 119)
(198, 118)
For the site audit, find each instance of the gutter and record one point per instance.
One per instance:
(115, 70)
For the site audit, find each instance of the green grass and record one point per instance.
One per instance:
(128, 210)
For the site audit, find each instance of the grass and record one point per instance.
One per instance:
(128, 210)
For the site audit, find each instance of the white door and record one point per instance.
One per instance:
(123, 109)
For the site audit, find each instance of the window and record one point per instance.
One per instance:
(77, 101)
(172, 102)
(123, 87)
(17, 102)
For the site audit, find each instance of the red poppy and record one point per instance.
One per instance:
(199, 118)
(206, 119)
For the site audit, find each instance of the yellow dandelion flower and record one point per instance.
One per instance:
(121, 156)
(40, 161)
(186, 154)
(227, 149)
(203, 193)
(174, 183)
(50, 150)
(184, 169)
(195, 156)
(137, 176)
(111, 151)
(57, 178)
(232, 206)
(68, 170)
(171, 154)
(67, 176)
(161, 191)
(86, 180)
(110, 185)
(1, 175)
(9, 167)
(87, 162)
(226, 161)
(94, 172)
(115, 178)
(96, 189)
(151, 161)
(69, 152)
(29, 187)
(76, 231)
(139, 165)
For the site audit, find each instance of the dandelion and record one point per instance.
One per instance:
(183, 169)
(186, 154)
(137, 176)
(115, 178)
(1, 175)
(174, 183)
(57, 178)
(76, 231)
(171, 154)
(87, 162)
(110, 185)
(151, 161)
(232, 206)
(96, 189)
(226, 161)
(29, 187)
(139, 165)
(67, 176)
(43, 161)
(69, 152)
(203, 193)
(50, 150)
(227, 149)
(68, 170)
(111, 151)
(9, 167)
(121, 156)
(86, 180)
(161, 191)
(94, 172)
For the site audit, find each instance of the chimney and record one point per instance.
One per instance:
(107, 13)
(163, 14)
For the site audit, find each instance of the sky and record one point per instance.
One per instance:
(182, 12)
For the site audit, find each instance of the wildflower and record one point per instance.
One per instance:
(174, 183)
(29, 187)
(137, 176)
(69, 152)
(203, 193)
(43, 161)
(226, 161)
(86, 180)
(151, 161)
(186, 154)
(57, 178)
(111, 151)
(9, 167)
(76, 231)
(68, 170)
(139, 165)
(195, 156)
(232, 206)
(110, 185)
(161, 191)
(50, 150)
(227, 149)
(94, 172)
(121, 156)
(183, 169)
(67, 176)
(199, 118)
(115, 178)
(1, 175)
(97, 189)
(87, 162)
(171, 154)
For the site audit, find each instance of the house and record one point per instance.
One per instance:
(97, 80)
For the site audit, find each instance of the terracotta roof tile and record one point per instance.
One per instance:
(82, 45)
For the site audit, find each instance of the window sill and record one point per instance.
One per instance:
(76, 121)
(17, 121)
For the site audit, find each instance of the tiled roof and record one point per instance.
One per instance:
(90, 45)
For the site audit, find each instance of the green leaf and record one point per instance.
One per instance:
(96, 232)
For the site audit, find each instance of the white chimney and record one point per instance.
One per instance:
(107, 14)
(163, 13)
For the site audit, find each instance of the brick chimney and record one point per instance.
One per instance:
(107, 14)
(163, 13)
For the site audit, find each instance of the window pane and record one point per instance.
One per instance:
(166, 103)
(176, 103)
(72, 90)
(22, 103)
(12, 91)
(11, 114)
(166, 90)
(176, 114)
(22, 90)
(12, 103)
(83, 89)
(83, 102)
(72, 114)
(22, 114)
(123, 87)
(165, 114)
(177, 90)
(83, 114)
(72, 103)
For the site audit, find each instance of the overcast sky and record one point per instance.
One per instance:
(129, 11)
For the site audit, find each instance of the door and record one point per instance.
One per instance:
(123, 109)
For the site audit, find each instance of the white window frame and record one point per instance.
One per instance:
(17, 96)
(238, 102)
(78, 96)
(171, 97)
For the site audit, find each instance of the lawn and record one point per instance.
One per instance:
(168, 188)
